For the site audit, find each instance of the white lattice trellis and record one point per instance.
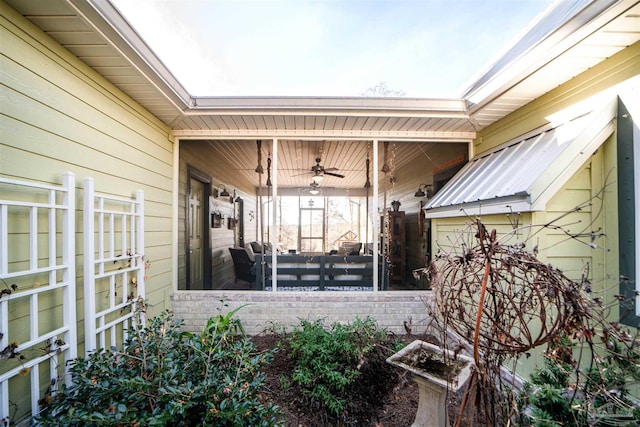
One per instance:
(114, 265)
(38, 279)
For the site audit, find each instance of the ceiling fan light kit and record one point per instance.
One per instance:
(314, 188)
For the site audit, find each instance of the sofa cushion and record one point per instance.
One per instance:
(349, 248)
(259, 248)
(249, 249)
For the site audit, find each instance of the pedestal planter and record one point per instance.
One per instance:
(435, 374)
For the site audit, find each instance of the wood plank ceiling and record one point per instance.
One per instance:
(296, 157)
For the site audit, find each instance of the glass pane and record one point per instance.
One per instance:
(311, 245)
(316, 224)
(288, 223)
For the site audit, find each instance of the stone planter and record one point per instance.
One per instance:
(426, 363)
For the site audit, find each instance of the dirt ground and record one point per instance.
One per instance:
(384, 397)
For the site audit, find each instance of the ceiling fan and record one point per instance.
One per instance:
(319, 170)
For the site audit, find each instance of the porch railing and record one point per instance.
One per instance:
(321, 272)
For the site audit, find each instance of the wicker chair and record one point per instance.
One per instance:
(243, 266)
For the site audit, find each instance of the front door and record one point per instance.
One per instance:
(198, 257)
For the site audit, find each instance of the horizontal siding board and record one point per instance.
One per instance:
(20, 136)
(569, 200)
(53, 134)
(32, 91)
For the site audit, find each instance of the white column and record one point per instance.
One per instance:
(274, 217)
(376, 220)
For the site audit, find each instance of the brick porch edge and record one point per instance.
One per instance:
(264, 310)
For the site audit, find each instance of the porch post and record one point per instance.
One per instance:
(175, 210)
(274, 218)
(374, 213)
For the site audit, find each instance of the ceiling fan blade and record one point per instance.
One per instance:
(330, 169)
(334, 174)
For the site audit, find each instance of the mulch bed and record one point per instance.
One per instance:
(384, 396)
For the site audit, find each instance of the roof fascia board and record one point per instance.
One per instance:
(107, 21)
(416, 107)
(550, 46)
(544, 24)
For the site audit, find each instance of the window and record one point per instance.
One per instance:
(316, 224)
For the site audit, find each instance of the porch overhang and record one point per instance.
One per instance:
(327, 117)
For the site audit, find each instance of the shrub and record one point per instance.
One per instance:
(564, 392)
(327, 360)
(164, 376)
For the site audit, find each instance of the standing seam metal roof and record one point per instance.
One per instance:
(517, 174)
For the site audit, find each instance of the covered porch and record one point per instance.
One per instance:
(309, 196)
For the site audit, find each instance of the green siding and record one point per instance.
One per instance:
(58, 115)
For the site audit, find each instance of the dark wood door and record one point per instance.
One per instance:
(198, 253)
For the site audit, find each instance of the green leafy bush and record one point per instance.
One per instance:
(328, 359)
(164, 377)
(564, 393)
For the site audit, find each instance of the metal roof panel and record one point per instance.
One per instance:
(528, 170)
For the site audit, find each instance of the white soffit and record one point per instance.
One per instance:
(570, 38)
(523, 174)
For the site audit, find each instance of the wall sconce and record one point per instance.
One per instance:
(424, 191)
(221, 191)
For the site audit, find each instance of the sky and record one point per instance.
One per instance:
(421, 48)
